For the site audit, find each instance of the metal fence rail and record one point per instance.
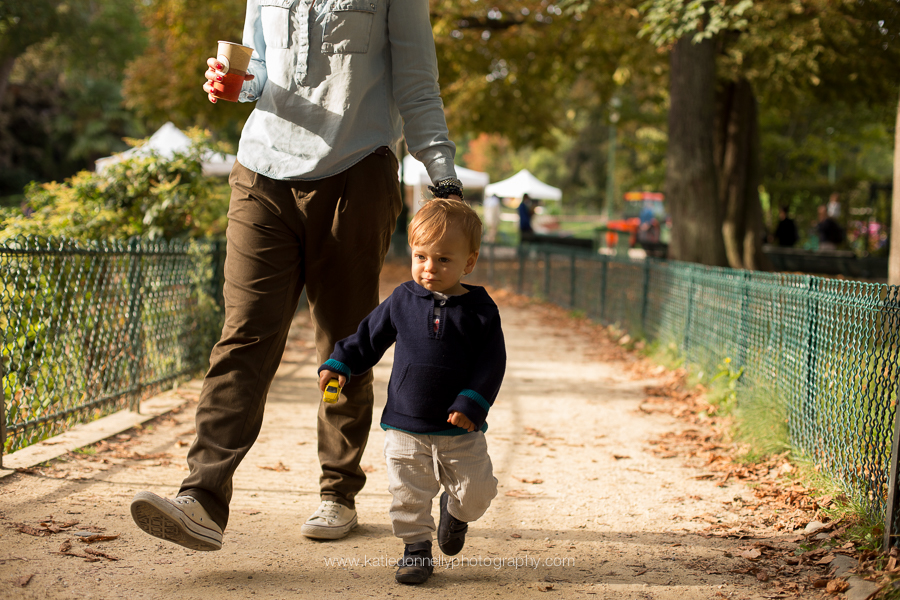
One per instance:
(87, 329)
(822, 352)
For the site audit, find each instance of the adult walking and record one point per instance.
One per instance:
(315, 198)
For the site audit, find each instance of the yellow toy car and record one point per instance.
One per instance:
(332, 391)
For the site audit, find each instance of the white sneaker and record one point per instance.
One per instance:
(182, 520)
(331, 522)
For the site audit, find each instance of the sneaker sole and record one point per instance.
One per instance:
(322, 532)
(161, 519)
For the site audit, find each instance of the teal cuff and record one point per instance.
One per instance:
(336, 366)
(477, 398)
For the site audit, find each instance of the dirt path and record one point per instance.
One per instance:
(585, 509)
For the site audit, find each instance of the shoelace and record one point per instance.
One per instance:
(329, 511)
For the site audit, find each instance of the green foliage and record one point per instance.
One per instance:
(147, 196)
(63, 107)
(667, 21)
(165, 82)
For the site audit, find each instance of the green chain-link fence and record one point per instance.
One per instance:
(822, 352)
(88, 329)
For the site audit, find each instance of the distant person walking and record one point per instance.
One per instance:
(829, 232)
(786, 232)
(525, 210)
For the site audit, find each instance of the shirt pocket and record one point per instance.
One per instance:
(348, 27)
(425, 392)
(275, 16)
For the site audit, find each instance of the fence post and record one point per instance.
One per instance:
(547, 275)
(892, 510)
(572, 281)
(521, 283)
(491, 264)
(808, 409)
(135, 284)
(690, 315)
(645, 297)
(744, 329)
(892, 514)
(2, 415)
(603, 302)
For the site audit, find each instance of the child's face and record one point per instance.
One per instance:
(438, 267)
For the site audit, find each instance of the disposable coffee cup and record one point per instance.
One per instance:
(234, 59)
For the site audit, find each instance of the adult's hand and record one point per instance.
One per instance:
(214, 73)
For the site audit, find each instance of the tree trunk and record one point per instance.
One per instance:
(6, 67)
(737, 156)
(894, 256)
(691, 186)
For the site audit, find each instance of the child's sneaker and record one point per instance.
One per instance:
(417, 565)
(451, 532)
(182, 520)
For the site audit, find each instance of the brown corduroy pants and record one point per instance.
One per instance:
(330, 235)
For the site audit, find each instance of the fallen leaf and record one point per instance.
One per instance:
(620, 456)
(29, 530)
(515, 535)
(825, 560)
(279, 467)
(519, 494)
(97, 538)
(65, 546)
(526, 480)
(23, 580)
(762, 575)
(545, 588)
(837, 586)
(751, 554)
(98, 553)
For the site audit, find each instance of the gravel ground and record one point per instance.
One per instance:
(585, 509)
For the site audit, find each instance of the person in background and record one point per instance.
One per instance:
(786, 231)
(829, 232)
(315, 197)
(526, 211)
(834, 206)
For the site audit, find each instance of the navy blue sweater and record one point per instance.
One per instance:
(459, 367)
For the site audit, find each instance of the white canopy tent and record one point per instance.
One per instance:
(168, 140)
(523, 183)
(415, 175)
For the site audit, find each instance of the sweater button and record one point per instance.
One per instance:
(443, 302)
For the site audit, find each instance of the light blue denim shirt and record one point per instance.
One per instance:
(333, 79)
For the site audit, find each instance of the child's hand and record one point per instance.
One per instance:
(325, 376)
(461, 420)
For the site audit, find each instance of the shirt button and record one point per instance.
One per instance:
(443, 302)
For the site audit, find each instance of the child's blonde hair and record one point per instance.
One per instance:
(441, 214)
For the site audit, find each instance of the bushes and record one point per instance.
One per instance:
(146, 196)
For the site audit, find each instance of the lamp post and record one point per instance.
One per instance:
(614, 105)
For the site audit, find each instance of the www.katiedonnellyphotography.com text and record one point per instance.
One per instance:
(451, 562)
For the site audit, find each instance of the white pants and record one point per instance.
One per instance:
(417, 465)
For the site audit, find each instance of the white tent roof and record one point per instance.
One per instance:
(414, 173)
(168, 140)
(522, 183)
